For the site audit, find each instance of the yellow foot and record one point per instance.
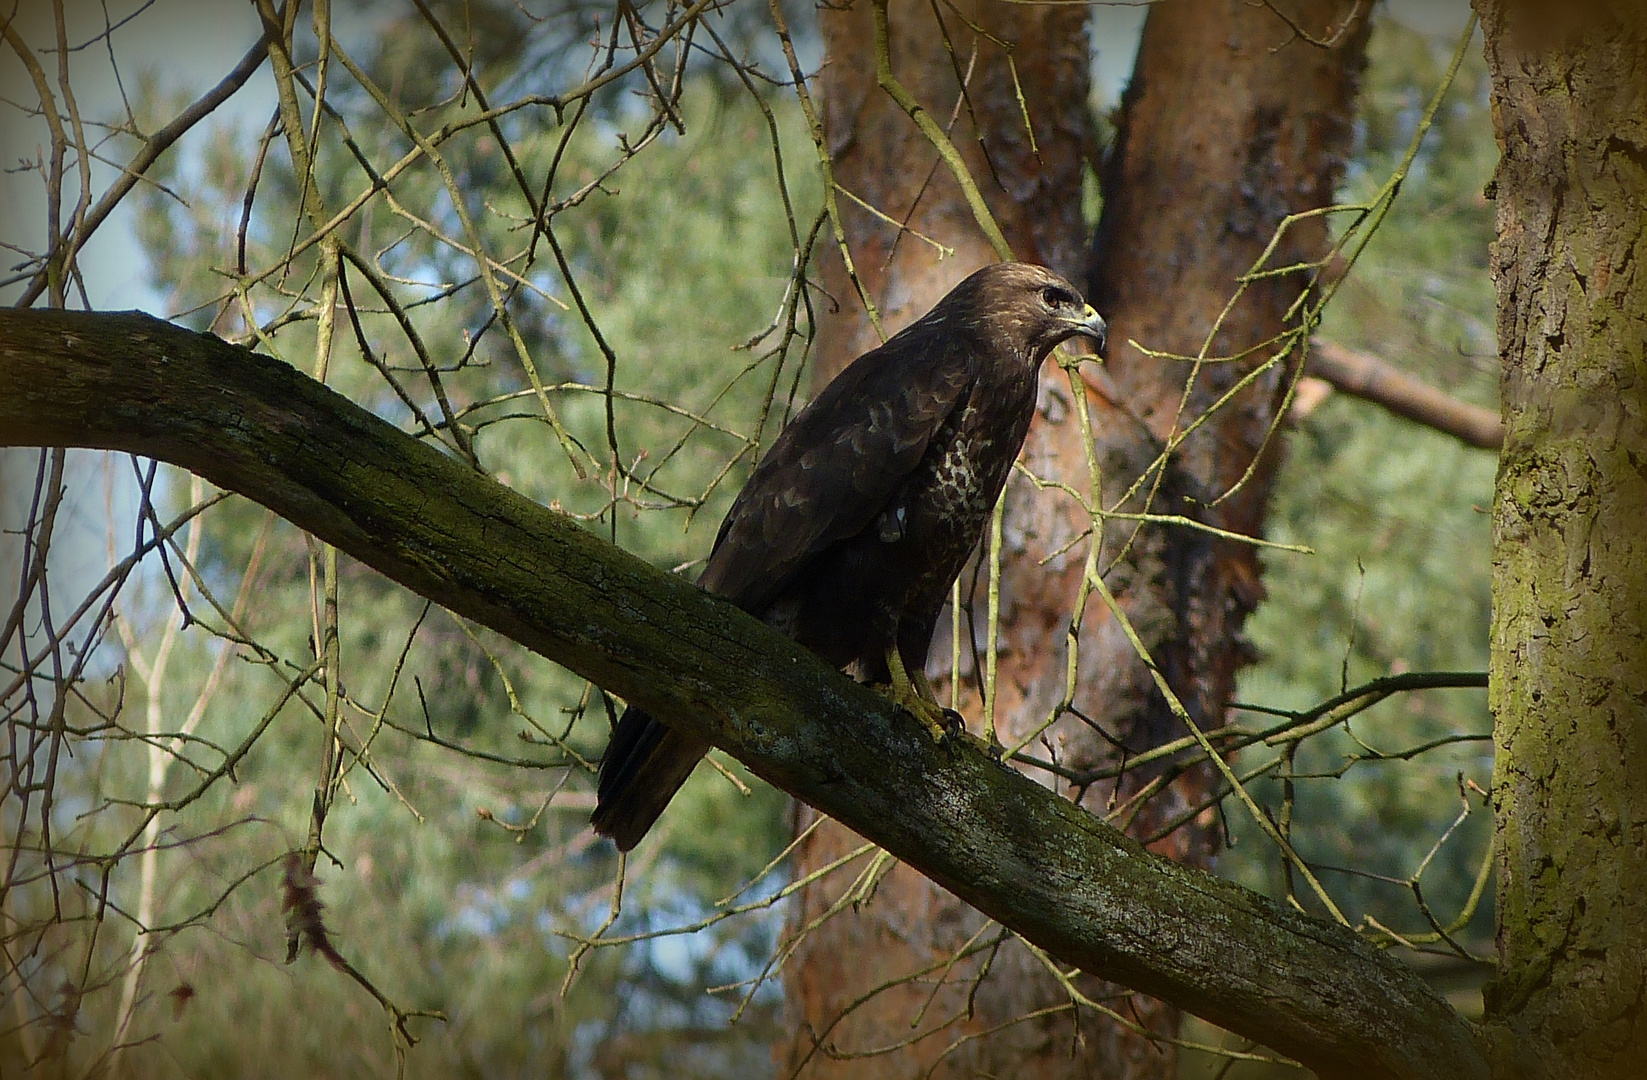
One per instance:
(915, 695)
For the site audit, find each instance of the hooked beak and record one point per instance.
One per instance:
(1091, 325)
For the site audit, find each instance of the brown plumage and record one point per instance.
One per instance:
(858, 519)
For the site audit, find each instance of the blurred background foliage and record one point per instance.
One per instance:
(458, 870)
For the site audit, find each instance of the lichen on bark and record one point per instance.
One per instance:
(1569, 649)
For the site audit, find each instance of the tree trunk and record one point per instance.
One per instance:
(1220, 138)
(1569, 646)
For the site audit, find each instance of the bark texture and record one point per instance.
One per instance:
(1022, 855)
(1230, 124)
(1220, 138)
(1569, 648)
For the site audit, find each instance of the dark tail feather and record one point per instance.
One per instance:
(645, 764)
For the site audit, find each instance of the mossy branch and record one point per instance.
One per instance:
(1022, 855)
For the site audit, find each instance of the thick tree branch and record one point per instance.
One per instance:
(1382, 383)
(1016, 851)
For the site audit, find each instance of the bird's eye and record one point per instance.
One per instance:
(1053, 297)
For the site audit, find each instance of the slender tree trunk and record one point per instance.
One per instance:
(1220, 138)
(1230, 124)
(1569, 646)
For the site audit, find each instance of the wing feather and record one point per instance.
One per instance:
(862, 437)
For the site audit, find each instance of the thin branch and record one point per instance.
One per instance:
(935, 134)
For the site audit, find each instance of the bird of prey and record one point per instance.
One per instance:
(856, 522)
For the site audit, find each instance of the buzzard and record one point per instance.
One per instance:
(858, 519)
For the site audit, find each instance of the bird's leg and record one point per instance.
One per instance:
(907, 693)
(914, 692)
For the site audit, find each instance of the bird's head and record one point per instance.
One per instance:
(1032, 307)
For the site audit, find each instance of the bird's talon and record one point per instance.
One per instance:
(936, 723)
(916, 697)
(962, 737)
